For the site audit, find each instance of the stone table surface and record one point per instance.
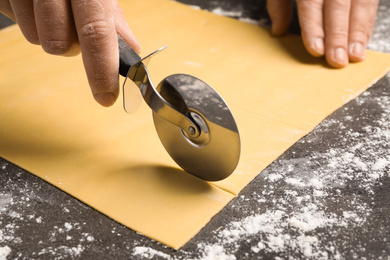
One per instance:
(327, 197)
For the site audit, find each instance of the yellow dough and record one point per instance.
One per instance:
(51, 126)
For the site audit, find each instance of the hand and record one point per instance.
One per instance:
(338, 29)
(63, 27)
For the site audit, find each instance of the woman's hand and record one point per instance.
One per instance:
(338, 29)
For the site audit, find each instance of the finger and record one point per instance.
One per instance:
(95, 26)
(336, 17)
(55, 27)
(361, 24)
(123, 28)
(24, 15)
(312, 28)
(6, 9)
(280, 12)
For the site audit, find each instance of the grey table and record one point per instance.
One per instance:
(326, 197)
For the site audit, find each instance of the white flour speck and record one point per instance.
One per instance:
(4, 252)
(38, 220)
(149, 253)
(214, 252)
(220, 11)
(274, 177)
(68, 226)
(5, 200)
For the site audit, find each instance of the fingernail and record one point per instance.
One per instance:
(357, 50)
(340, 56)
(105, 98)
(318, 46)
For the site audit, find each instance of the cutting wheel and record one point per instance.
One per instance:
(214, 153)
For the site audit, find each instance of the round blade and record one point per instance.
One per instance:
(217, 153)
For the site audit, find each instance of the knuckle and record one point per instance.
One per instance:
(102, 76)
(339, 4)
(337, 35)
(95, 30)
(360, 34)
(47, 5)
(57, 46)
(309, 4)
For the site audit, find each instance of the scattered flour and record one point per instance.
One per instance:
(16, 214)
(272, 227)
(239, 15)
(220, 11)
(274, 177)
(214, 252)
(62, 251)
(149, 253)
(380, 164)
(295, 221)
(316, 183)
(295, 182)
(68, 226)
(310, 220)
(4, 252)
(5, 200)
(38, 220)
(196, 7)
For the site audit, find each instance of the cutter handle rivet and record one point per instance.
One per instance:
(191, 130)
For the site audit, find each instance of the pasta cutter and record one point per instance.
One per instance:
(192, 121)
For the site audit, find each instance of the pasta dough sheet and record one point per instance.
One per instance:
(51, 126)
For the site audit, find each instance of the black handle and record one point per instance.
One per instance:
(127, 57)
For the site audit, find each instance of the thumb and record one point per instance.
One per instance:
(280, 12)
